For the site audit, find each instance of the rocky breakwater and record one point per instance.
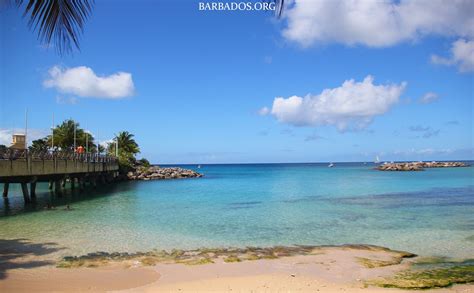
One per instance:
(155, 173)
(418, 166)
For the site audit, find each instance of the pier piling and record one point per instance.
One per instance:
(81, 183)
(57, 168)
(5, 189)
(33, 190)
(57, 186)
(24, 189)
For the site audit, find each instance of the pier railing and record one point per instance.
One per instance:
(13, 154)
(23, 166)
(24, 163)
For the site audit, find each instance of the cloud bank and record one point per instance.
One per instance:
(350, 106)
(376, 23)
(83, 82)
(462, 56)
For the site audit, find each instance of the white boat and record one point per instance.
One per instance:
(331, 165)
(199, 166)
(377, 160)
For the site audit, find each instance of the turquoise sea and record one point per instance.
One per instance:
(428, 213)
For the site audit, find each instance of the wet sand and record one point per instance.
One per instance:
(331, 269)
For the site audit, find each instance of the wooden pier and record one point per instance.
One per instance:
(57, 168)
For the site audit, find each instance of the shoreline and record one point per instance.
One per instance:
(352, 268)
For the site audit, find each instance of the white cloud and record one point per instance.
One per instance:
(426, 151)
(350, 106)
(263, 133)
(66, 100)
(376, 23)
(264, 111)
(33, 134)
(425, 132)
(268, 59)
(5, 137)
(429, 97)
(83, 82)
(313, 137)
(106, 142)
(462, 55)
(435, 59)
(452, 122)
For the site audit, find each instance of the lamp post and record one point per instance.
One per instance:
(87, 140)
(116, 147)
(26, 128)
(74, 136)
(52, 135)
(98, 143)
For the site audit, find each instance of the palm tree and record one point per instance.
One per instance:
(64, 137)
(39, 145)
(127, 149)
(126, 144)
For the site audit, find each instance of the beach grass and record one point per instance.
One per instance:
(209, 255)
(428, 279)
(430, 273)
(232, 258)
(376, 263)
(194, 262)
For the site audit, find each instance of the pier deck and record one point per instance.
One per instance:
(25, 167)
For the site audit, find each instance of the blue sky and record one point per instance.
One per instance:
(193, 83)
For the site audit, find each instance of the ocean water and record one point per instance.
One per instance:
(428, 213)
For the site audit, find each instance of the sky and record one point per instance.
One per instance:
(329, 81)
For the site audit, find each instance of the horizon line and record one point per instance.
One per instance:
(325, 162)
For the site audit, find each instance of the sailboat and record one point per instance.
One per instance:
(199, 166)
(377, 160)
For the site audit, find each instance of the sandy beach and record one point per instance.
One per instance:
(326, 269)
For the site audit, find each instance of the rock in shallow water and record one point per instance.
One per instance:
(418, 166)
(155, 173)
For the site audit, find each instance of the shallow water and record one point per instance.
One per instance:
(428, 213)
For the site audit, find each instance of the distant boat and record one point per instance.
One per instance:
(331, 165)
(377, 160)
(199, 166)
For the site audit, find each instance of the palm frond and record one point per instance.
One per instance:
(58, 21)
(279, 5)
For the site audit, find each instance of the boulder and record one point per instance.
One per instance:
(418, 166)
(154, 173)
